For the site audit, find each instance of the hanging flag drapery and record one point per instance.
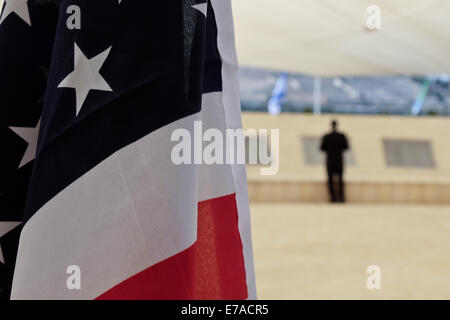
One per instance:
(106, 83)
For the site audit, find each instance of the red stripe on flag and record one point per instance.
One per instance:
(213, 268)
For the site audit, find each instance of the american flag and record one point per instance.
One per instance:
(90, 93)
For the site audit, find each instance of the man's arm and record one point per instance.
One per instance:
(345, 143)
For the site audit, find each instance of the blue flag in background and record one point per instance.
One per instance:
(278, 94)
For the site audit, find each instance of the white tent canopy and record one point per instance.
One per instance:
(330, 37)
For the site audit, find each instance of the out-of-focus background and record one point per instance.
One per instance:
(381, 69)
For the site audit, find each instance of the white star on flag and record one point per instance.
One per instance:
(30, 135)
(202, 7)
(6, 227)
(86, 76)
(19, 7)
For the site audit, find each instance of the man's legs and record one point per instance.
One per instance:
(331, 188)
(341, 186)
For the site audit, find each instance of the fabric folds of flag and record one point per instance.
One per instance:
(104, 194)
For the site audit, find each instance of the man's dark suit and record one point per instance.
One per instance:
(334, 144)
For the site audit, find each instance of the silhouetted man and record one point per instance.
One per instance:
(334, 144)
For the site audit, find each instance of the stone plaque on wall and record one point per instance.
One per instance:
(408, 153)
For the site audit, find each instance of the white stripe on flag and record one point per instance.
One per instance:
(215, 180)
(232, 107)
(131, 211)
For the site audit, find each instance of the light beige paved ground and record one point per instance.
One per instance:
(315, 251)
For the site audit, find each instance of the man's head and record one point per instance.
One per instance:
(334, 125)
